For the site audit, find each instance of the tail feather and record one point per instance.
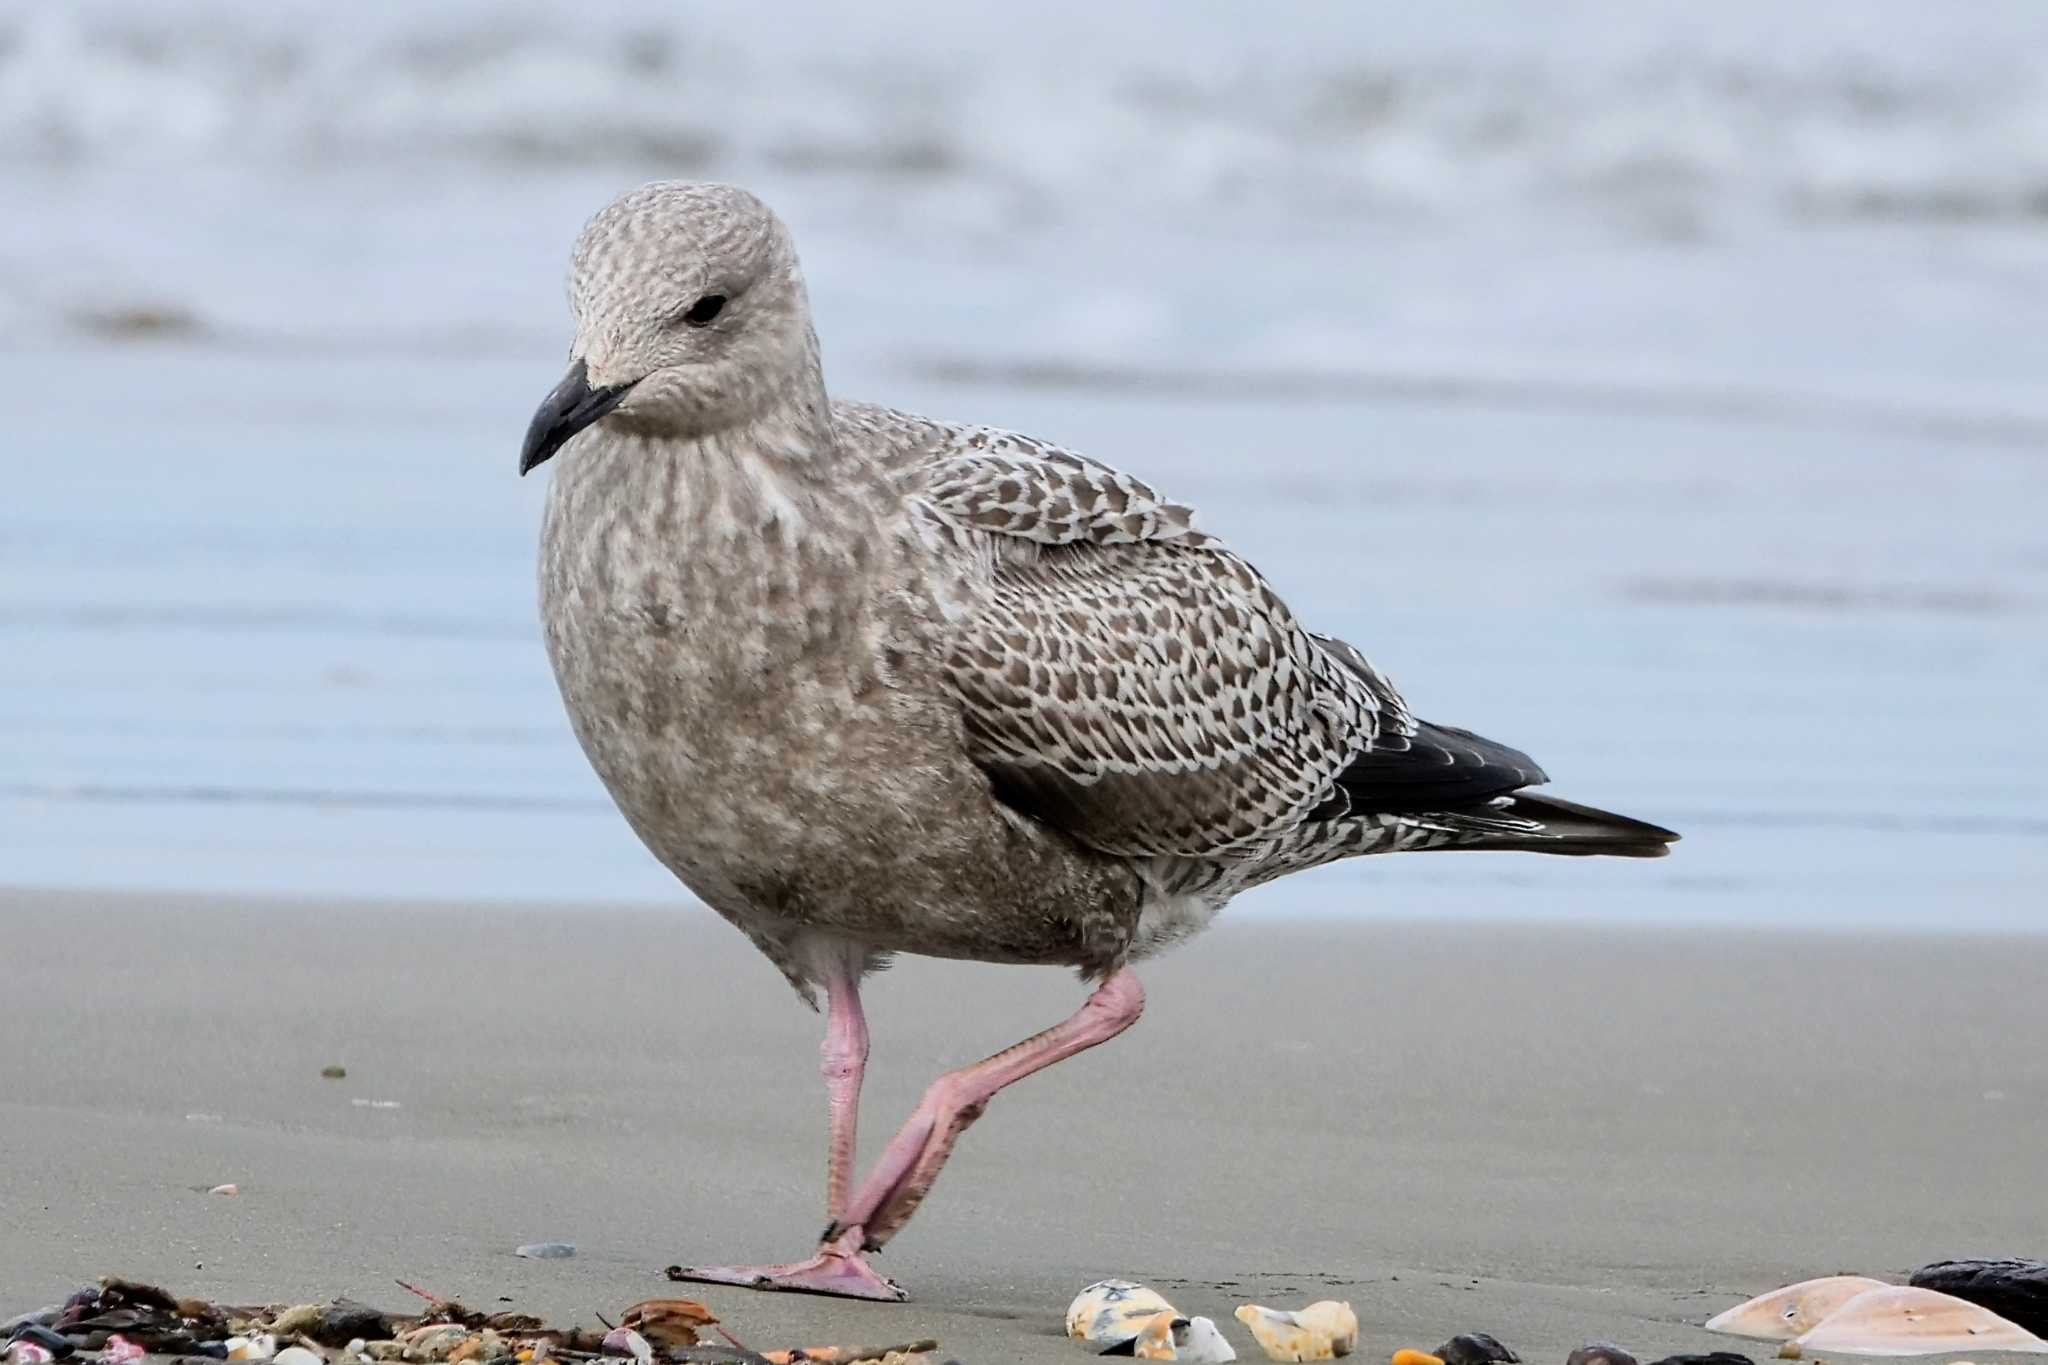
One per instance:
(1525, 822)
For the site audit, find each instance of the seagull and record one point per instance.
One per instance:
(869, 683)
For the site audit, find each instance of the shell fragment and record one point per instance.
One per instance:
(1322, 1331)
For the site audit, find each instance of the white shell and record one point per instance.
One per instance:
(259, 1347)
(1322, 1331)
(1202, 1340)
(297, 1355)
(1110, 1312)
(1792, 1311)
(1900, 1320)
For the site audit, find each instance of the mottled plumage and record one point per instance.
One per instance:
(870, 683)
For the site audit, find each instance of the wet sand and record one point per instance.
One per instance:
(1549, 1133)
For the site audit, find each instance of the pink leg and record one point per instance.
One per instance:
(843, 1058)
(835, 1269)
(910, 1164)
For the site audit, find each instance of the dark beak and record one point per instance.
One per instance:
(572, 406)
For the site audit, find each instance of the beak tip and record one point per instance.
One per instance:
(572, 406)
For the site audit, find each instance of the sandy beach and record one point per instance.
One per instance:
(1550, 1133)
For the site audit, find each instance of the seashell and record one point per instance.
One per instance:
(1792, 1311)
(27, 1353)
(1202, 1340)
(669, 1322)
(1475, 1348)
(546, 1251)
(120, 1348)
(225, 1189)
(1409, 1356)
(2014, 1289)
(261, 1346)
(624, 1341)
(53, 1344)
(1155, 1336)
(297, 1355)
(1111, 1312)
(1901, 1320)
(1321, 1331)
(432, 1341)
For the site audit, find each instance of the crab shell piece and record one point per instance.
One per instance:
(1792, 1311)
(1321, 1331)
(1111, 1312)
(1900, 1320)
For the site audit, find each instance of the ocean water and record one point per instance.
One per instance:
(1656, 389)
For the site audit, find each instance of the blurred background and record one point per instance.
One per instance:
(1653, 386)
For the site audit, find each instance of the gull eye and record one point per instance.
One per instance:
(704, 310)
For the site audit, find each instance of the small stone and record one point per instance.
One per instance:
(546, 1251)
(1791, 1350)
(346, 1322)
(1600, 1353)
(1475, 1348)
(334, 1073)
(1708, 1358)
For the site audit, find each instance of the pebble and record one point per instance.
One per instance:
(334, 1073)
(1475, 1348)
(546, 1251)
(1600, 1353)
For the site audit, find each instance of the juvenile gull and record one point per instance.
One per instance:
(869, 683)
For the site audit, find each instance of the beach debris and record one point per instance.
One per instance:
(334, 1073)
(1600, 1353)
(1408, 1355)
(909, 1353)
(225, 1189)
(34, 1336)
(669, 1322)
(1904, 1320)
(1475, 1348)
(546, 1251)
(1706, 1358)
(624, 1341)
(1322, 1331)
(118, 1321)
(1792, 1311)
(2016, 1290)
(1112, 1312)
(362, 1103)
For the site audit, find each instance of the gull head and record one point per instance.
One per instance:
(690, 318)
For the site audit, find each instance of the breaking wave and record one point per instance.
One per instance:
(1877, 111)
